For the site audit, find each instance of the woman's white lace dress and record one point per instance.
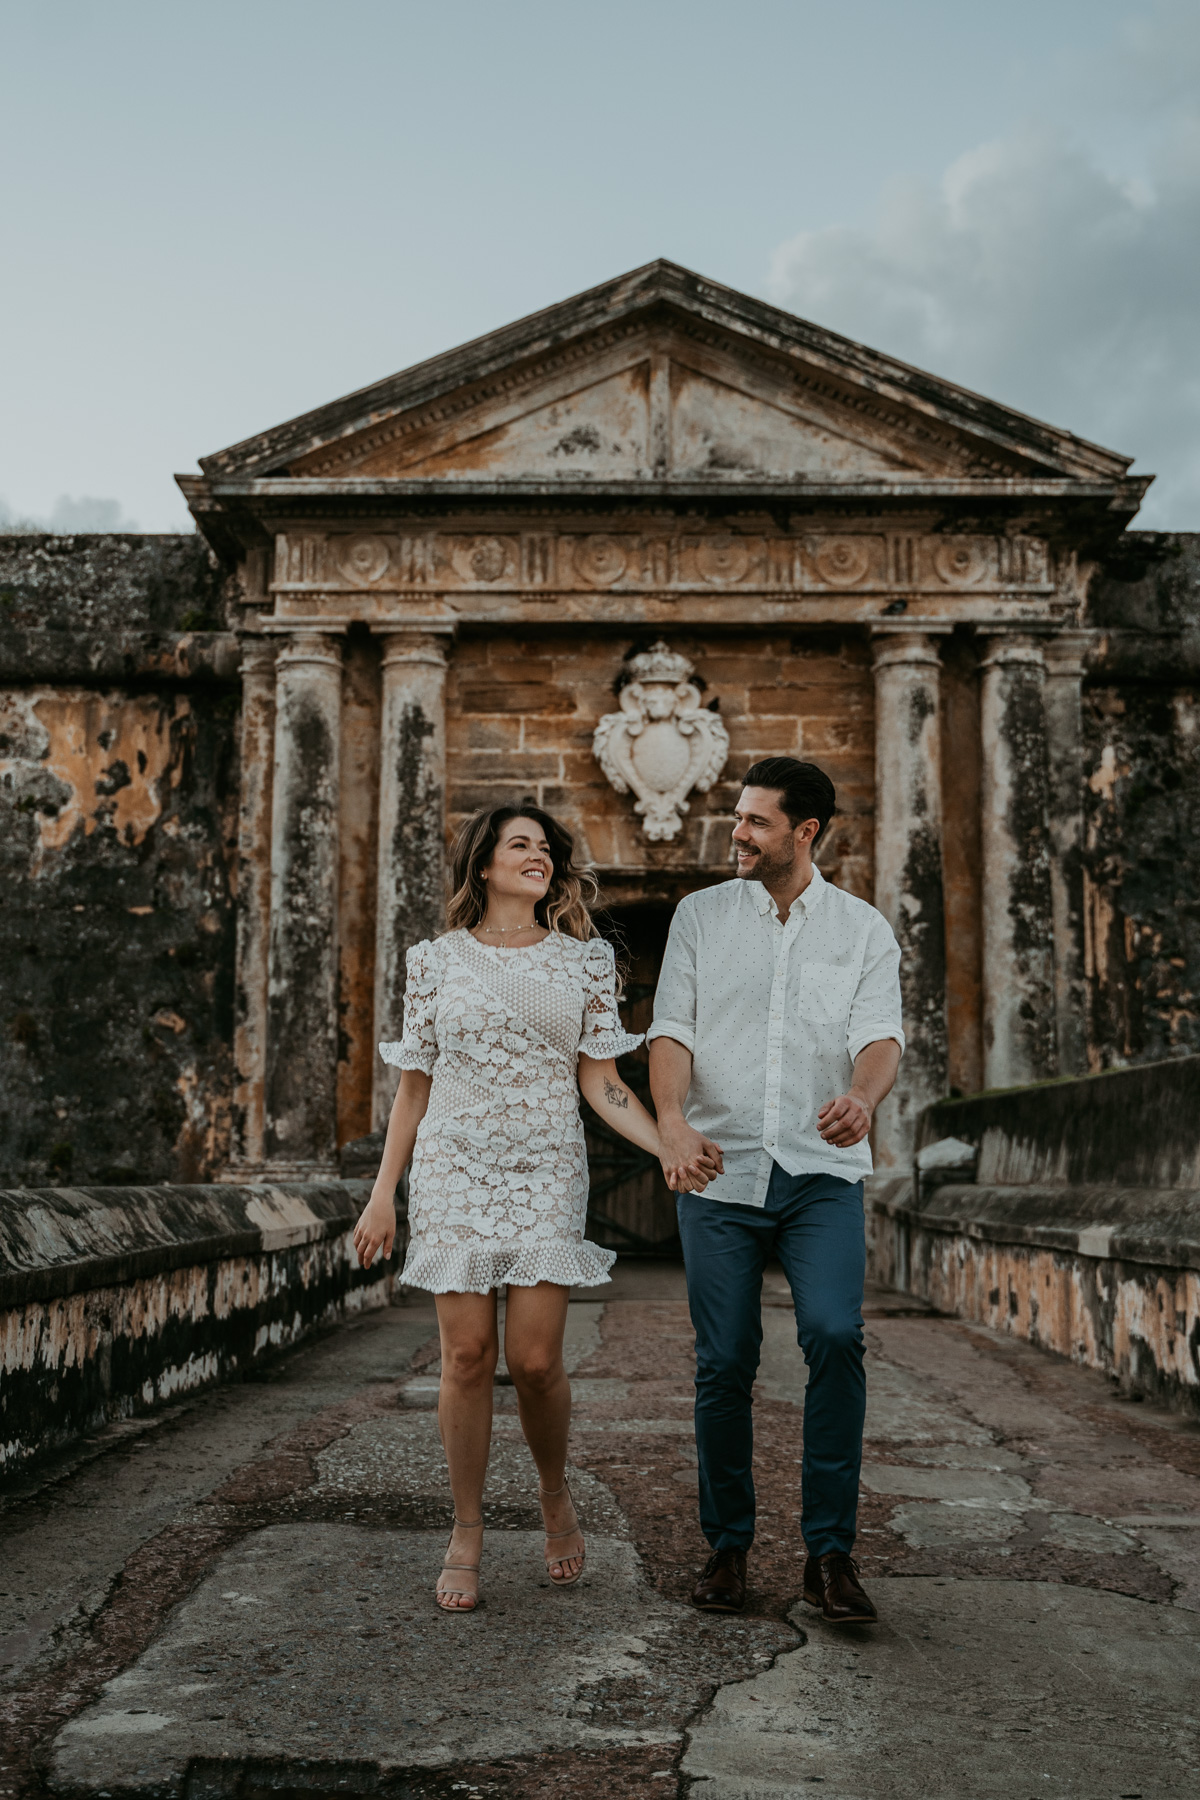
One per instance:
(498, 1186)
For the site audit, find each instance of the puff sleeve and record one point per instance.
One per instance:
(603, 1034)
(418, 1048)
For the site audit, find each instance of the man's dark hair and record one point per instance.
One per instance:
(805, 792)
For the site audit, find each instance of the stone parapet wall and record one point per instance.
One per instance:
(1136, 1128)
(1091, 1275)
(101, 581)
(1080, 1230)
(113, 1300)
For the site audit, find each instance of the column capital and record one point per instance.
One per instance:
(891, 645)
(1011, 649)
(1065, 652)
(414, 643)
(257, 655)
(316, 648)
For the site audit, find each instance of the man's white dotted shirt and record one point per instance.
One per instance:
(774, 1016)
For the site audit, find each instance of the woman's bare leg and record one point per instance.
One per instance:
(470, 1349)
(534, 1322)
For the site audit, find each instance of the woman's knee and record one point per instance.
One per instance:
(536, 1369)
(470, 1361)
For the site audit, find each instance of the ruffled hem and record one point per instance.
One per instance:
(478, 1268)
(400, 1058)
(610, 1043)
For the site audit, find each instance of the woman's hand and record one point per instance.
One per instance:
(689, 1159)
(375, 1232)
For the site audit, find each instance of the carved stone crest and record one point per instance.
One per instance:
(662, 744)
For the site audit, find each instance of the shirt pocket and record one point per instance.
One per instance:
(826, 993)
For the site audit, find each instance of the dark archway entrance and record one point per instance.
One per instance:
(630, 1207)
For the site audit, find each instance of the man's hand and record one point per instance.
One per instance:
(846, 1120)
(689, 1159)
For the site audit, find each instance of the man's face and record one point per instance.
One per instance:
(766, 841)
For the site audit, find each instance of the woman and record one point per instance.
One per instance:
(507, 1019)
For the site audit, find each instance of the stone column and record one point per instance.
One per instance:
(300, 1124)
(253, 899)
(1064, 653)
(411, 902)
(908, 873)
(1019, 1026)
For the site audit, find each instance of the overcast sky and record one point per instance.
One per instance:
(217, 216)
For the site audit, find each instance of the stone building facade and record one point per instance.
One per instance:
(660, 502)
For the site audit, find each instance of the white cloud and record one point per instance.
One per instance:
(1036, 276)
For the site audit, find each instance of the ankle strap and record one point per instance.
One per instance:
(467, 1524)
(553, 1493)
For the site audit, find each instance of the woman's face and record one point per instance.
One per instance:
(521, 862)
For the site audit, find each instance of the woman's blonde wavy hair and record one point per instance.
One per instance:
(567, 904)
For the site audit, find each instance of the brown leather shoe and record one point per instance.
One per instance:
(831, 1582)
(722, 1587)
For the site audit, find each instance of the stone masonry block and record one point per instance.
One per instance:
(723, 672)
(580, 768)
(501, 733)
(526, 766)
(519, 669)
(528, 697)
(574, 733)
(469, 797)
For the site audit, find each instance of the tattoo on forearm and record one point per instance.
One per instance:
(616, 1096)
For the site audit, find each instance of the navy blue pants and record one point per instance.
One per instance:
(814, 1225)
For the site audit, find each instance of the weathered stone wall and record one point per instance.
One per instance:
(120, 689)
(118, 791)
(115, 1299)
(1077, 1226)
(1142, 803)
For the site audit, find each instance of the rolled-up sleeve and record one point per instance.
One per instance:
(875, 1011)
(675, 996)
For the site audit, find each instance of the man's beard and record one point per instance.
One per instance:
(766, 867)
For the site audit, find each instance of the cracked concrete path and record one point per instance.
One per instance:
(234, 1597)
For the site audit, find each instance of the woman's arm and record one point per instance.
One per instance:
(620, 1107)
(376, 1229)
(616, 1104)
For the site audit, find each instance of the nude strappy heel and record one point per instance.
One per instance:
(441, 1594)
(563, 1580)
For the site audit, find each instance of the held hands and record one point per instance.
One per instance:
(376, 1229)
(845, 1121)
(689, 1159)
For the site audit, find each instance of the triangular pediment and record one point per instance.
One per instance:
(662, 376)
(647, 413)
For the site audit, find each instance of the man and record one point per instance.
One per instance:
(776, 1034)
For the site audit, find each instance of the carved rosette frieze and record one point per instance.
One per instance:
(662, 745)
(807, 562)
